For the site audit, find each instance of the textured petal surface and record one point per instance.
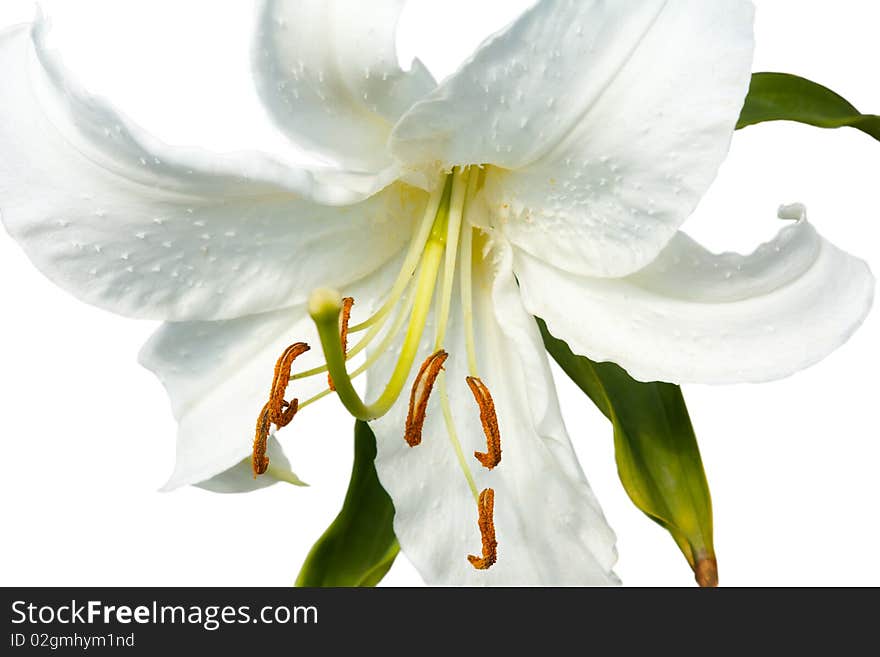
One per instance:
(240, 477)
(697, 317)
(549, 526)
(218, 374)
(610, 118)
(328, 74)
(148, 231)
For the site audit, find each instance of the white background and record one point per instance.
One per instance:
(87, 435)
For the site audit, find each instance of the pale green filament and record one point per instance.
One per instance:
(460, 189)
(456, 212)
(453, 437)
(326, 317)
(282, 474)
(359, 347)
(411, 261)
(377, 321)
(467, 300)
(378, 352)
(444, 239)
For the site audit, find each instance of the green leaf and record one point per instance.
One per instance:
(657, 456)
(359, 546)
(784, 97)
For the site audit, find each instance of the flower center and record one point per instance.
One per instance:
(442, 245)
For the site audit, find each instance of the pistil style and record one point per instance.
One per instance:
(443, 240)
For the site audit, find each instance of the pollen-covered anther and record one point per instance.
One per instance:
(277, 411)
(492, 456)
(344, 318)
(418, 398)
(259, 460)
(486, 509)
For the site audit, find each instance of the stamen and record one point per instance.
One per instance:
(277, 411)
(467, 301)
(460, 186)
(486, 509)
(347, 303)
(326, 305)
(259, 460)
(418, 399)
(453, 437)
(489, 419)
(411, 262)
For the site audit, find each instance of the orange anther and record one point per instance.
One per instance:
(489, 419)
(486, 509)
(276, 411)
(418, 398)
(344, 318)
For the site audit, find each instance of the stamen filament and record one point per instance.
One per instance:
(377, 321)
(453, 437)
(283, 474)
(456, 213)
(411, 261)
(351, 353)
(325, 312)
(467, 300)
(378, 352)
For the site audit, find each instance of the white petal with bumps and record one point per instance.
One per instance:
(328, 74)
(692, 316)
(145, 230)
(218, 375)
(550, 528)
(608, 119)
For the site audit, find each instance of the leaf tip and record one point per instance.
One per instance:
(706, 572)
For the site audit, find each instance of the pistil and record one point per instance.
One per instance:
(443, 239)
(326, 305)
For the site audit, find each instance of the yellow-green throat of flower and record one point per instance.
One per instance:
(441, 246)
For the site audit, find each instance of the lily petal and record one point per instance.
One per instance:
(550, 528)
(240, 477)
(218, 375)
(611, 119)
(696, 317)
(328, 74)
(146, 230)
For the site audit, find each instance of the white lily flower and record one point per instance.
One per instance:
(548, 176)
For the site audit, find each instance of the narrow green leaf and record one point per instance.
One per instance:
(359, 546)
(657, 456)
(784, 97)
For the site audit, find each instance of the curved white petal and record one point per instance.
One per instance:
(240, 477)
(611, 119)
(692, 316)
(549, 526)
(143, 231)
(328, 74)
(218, 375)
